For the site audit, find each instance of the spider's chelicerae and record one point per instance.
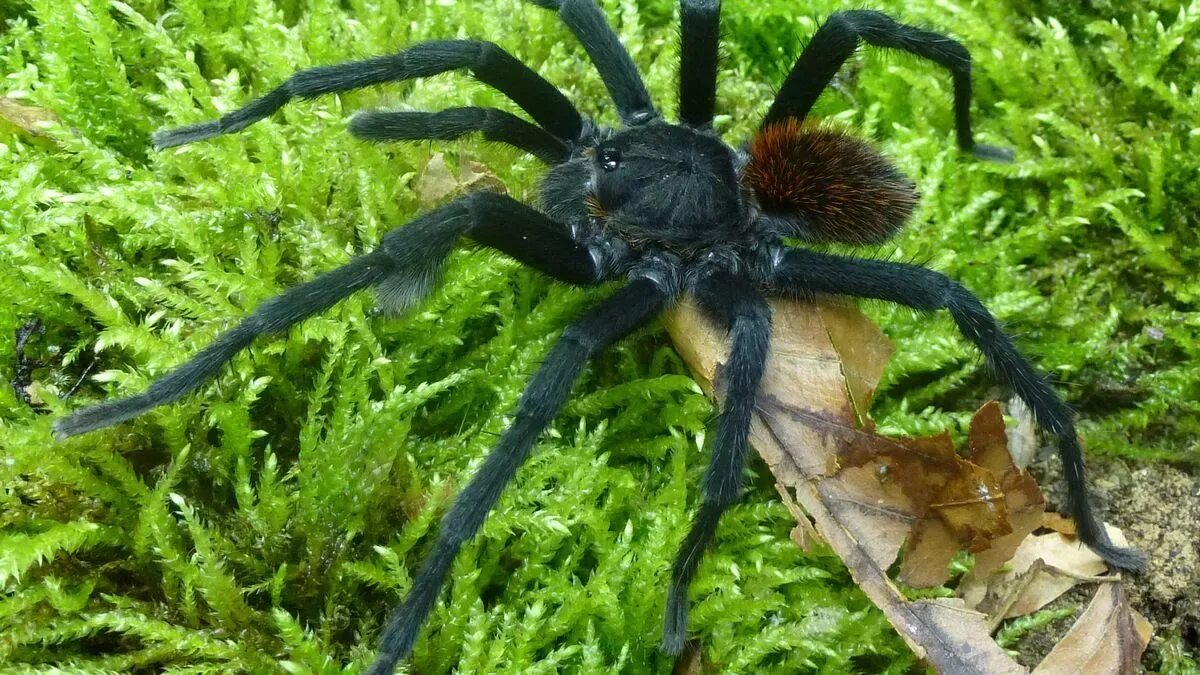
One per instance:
(671, 209)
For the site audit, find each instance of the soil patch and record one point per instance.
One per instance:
(1158, 507)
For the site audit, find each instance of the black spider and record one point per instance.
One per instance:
(672, 209)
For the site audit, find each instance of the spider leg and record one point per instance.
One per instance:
(804, 273)
(487, 62)
(547, 391)
(612, 61)
(448, 125)
(837, 39)
(404, 268)
(741, 310)
(700, 26)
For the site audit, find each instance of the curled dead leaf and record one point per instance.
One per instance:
(949, 636)
(1059, 523)
(1043, 568)
(869, 496)
(437, 181)
(804, 535)
(863, 498)
(1109, 637)
(988, 443)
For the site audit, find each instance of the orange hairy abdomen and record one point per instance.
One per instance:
(829, 186)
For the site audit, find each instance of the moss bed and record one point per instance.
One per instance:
(268, 523)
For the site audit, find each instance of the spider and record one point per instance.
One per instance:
(671, 209)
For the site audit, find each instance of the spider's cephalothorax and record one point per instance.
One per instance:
(665, 186)
(671, 209)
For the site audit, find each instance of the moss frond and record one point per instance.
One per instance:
(269, 522)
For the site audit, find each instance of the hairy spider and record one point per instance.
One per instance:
(670, 208)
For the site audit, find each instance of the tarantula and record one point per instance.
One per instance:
(670, 208)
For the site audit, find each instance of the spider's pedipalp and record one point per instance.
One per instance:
(487, 62)
(804, 273)
(823, 185)
(836, 41)
(454, 123)
(612, 60)
(700, 36)
(404, 267)
(544, 396)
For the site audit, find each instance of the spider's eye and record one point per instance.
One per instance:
(610, 158)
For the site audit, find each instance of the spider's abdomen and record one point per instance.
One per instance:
(827, 186)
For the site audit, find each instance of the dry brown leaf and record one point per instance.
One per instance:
(865, 494)
(1043, 568)
(1059, 523)
(950, 637)
(474, 176)
(869, 496)
(988, 442)
(29, 119)
(813, 401)
(437, 182)
(804, 535)
(1107, 639)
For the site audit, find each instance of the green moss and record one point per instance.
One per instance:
(1011, 633)
(276, 517)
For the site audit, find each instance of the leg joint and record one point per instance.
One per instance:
(490, 55)
(706, 7)
(750, 319)
(581, 337)
(484, 205)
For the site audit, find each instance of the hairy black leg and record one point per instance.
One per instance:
(274, 315)
(837, 39)
(621, 77)
(486, 62)
(700, 26)
(803, 273)
(739, 308)
(404, 268)
(448, 125)
(544, 396)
